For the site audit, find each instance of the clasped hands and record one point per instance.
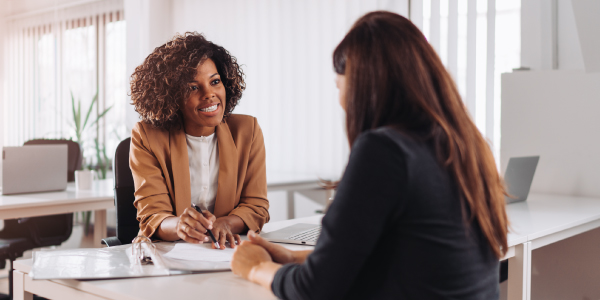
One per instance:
(258, 260)
(192, 227)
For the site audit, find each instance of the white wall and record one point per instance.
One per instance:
(542, 41)
(570, 56)
(148, 26)
(554, 114)
(588, 24)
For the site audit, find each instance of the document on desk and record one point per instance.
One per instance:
(186, 257)
(94, 263)
(197, 252)
(116, 262)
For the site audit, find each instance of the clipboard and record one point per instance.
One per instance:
(118, 262)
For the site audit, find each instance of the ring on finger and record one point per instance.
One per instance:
(185, 227)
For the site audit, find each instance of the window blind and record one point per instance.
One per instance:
(50, 55)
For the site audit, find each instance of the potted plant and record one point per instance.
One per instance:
(79, 126)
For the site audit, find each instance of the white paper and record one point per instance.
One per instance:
(198, 252)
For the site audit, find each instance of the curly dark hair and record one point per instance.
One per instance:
(160, 84)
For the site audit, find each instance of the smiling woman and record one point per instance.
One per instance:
(203, 110)
(190, 148)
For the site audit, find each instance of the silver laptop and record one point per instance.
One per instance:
(35, 168)
(519, 176)
(302, 234)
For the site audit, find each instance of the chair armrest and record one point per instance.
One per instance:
(111, 241)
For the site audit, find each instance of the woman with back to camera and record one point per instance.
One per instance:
(190, 148)
(419, 212)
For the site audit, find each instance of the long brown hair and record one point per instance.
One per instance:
(395, 78)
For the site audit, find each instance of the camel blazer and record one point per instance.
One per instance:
(160, 167)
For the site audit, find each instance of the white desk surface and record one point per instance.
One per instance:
(98, 199)
(545, 219)
(279, 180)
(39, 204)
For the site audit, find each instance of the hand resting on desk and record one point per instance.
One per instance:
(278, 253)
(258, 260)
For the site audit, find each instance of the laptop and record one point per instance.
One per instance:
(34, 168)
(301, 234)
(519, 176)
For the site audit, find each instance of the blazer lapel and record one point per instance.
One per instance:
(228, 171)
(181, 171)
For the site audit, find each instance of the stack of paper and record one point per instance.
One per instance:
(195, 252)
(184, 256)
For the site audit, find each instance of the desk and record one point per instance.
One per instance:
(291, 182)
(542, 220)
(218, 285)
(100, 198)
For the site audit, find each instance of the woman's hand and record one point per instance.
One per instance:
(278, 253)
(253, 263)
(223, 229)
(192, 226)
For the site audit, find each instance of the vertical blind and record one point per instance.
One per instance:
(50, 56)
(477, 40)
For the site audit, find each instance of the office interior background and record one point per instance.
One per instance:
(527, 71)
(55, 49)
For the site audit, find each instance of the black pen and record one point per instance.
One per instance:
(212, 236)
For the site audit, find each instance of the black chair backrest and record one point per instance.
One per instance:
(127, 224)
(74, 154)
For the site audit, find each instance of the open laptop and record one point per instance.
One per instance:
(519, 176)
(34, 168)
(302, 234)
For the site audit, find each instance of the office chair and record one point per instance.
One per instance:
(127, 223)
(20, 235)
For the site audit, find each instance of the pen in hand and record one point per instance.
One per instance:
(212, 236)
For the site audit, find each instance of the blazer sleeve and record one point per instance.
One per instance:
(152, 198)
(253, 207)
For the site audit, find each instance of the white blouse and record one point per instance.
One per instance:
(203, 157)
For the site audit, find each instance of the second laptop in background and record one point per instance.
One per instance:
(35, 168)
(519, 176)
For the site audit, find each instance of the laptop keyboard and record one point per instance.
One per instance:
(310, 235)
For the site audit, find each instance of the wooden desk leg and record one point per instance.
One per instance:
(19, 292)
(99, 227)
(290, 205)
(519, 273)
